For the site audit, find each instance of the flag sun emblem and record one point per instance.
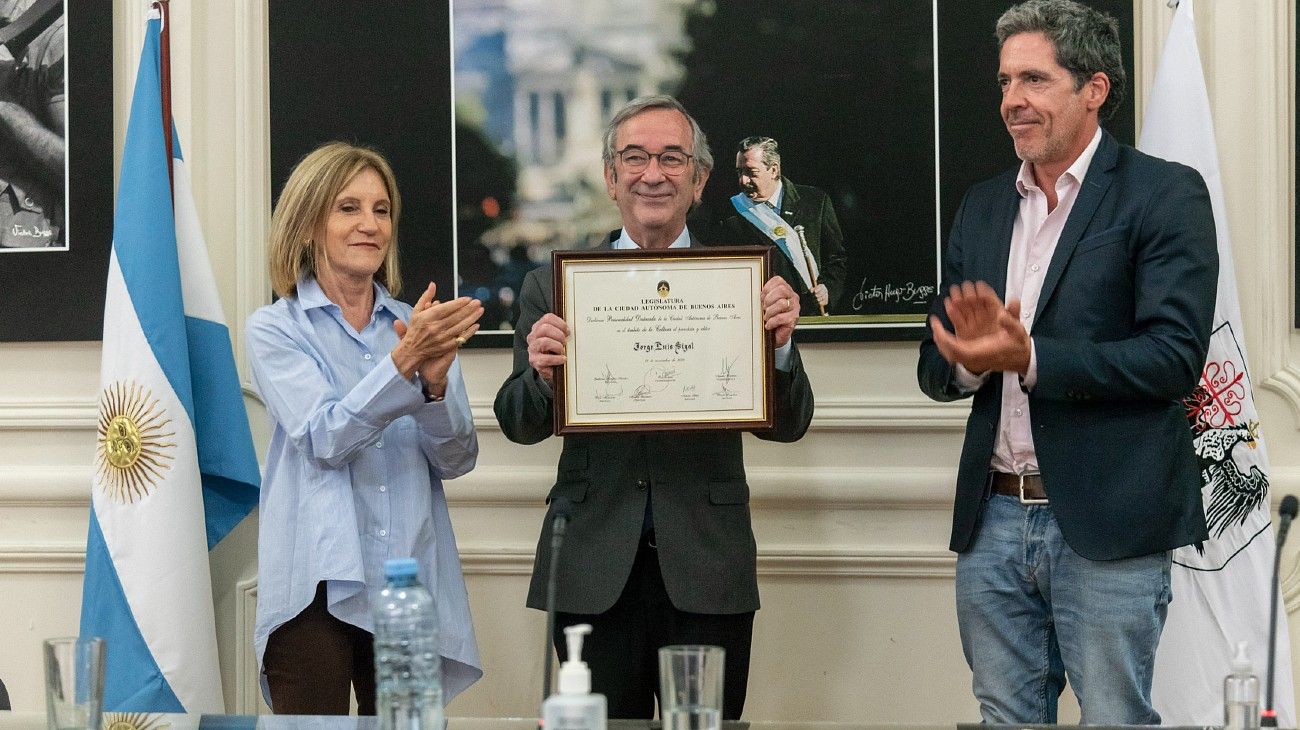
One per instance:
(134, 450)
(133, 721)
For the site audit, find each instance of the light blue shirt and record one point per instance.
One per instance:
(781, 357)
(354, 472)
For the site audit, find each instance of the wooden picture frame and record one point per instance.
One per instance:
(663, 340)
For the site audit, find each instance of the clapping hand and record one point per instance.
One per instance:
(428, 343)
(986, 335)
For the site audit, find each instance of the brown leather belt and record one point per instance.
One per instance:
(1028, 488)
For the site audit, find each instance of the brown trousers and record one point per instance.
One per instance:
(314, 660)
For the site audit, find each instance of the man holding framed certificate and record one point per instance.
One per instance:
(659, 549)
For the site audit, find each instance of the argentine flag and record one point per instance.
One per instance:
(175, 469)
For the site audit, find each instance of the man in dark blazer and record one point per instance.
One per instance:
(659, 549)
(758, 168)
(1077, 476)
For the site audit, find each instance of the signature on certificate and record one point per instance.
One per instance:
(655, 380)
(725, 376)
(726, 373)
(608, 385)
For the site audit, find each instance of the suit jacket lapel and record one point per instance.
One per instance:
(1095, 183)
(789, 198)
(1003, 225)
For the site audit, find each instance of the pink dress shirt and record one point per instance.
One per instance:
(1033, 241)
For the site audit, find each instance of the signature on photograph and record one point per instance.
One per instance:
(909, 293)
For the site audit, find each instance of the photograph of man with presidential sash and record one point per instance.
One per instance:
(798, 220)
(839, 93)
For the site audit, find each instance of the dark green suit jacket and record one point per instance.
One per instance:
(700, 505)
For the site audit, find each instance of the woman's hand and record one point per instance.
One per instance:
(428, 343)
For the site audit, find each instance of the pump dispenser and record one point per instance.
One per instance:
(574, 707)
(1241, 694)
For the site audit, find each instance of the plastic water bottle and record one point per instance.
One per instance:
(408, 670)
(1241, 694)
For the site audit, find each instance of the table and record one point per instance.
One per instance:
(162, 721)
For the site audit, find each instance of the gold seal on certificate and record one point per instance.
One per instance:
(663, 340)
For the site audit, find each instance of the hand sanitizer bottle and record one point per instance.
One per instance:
(574, 707)
(1241, 694)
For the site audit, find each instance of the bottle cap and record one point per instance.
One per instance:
(1241, 662)
(400, 568)
(575, 676)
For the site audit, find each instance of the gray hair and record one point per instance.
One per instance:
(1086, 41)
(766, 146)
(699, 143)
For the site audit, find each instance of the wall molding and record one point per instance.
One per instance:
(1286, 383)
(248, 690)
(505, 486)
(43, 558)
(489, 485)
(775, 562)
(46, 486)
(832, 414)
(884, 414)
(49, 414)
(252, 161)
(847, 415)
(819, 488)
(1278, 163)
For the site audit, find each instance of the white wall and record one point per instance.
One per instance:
(852, 522)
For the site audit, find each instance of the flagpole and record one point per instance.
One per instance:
(165, 73)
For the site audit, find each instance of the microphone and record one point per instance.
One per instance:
(1286, 512)
(560, 509)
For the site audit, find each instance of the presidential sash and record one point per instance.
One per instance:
(765, 219)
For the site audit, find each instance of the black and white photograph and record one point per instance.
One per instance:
(33, 126)
(56, 167)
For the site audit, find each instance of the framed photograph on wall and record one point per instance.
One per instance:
(883, 112)
(834, 84)
(56, 167)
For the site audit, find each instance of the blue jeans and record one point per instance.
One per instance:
(1031, 612)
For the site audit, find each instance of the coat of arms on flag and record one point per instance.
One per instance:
(1234, 463)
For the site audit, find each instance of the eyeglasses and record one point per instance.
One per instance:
(635, 159)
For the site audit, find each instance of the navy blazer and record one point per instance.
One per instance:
(1120, 337)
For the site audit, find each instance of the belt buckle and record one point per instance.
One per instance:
(1023, 498)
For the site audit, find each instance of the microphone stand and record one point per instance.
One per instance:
(1286, 513)
(560, 507)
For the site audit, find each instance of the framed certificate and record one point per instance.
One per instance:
(663, 340)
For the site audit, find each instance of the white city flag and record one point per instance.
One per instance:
(1221, 594)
